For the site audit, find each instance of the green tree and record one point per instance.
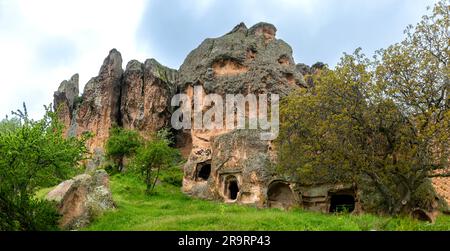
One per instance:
(33, 155)
(122, 143)
(382, 124)
(415, 74)
(344, 130)
(153, 156)
(9, 124)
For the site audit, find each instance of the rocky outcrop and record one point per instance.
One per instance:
(240, 169)
(82, 198)
(309, 71)
(244, 61)
(100, 107)
(66, 100)
(442, 187)
(146, 93)
(137, 98)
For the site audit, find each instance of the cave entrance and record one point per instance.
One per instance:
(232, 188)
(203, 171)
(280, 195)
(340, 203)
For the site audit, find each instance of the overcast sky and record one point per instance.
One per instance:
(43, 42)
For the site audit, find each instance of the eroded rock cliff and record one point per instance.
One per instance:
(100, 106)
(147, 89)
(228, 164)
(66, 99)
(137, 98)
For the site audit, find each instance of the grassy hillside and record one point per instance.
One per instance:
(169, 209)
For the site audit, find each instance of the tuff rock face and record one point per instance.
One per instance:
(442, 187)
(147, 89)
(244, 61)
(137, 98)
(65, 100)
(238, 158)
(309, 71)
(82, 198)
(100, 107)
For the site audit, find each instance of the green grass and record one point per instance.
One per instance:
(170, 209)
(41, 193)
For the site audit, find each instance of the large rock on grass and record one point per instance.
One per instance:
(82, 198)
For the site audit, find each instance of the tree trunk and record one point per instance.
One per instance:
(148, 181)
(156, 179)
(120, 167)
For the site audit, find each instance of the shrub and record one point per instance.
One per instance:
(153, 156)
(19, 213)
(122, 143)
(35, 154)
(172, 175)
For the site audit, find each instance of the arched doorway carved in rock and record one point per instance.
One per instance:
(231, 189)
(280, 195)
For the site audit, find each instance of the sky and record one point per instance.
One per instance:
(44, 42)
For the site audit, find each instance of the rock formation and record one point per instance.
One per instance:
(230, 165)
(146, 93)
(242, 61)
(137, 98)
(309, 71)
(65, 100)
(100, 106)
(82, 198)
(235, 166)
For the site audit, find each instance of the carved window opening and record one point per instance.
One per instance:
(341, 202)
(203, 171)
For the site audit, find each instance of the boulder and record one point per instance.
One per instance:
(57, 194)
(82, 198)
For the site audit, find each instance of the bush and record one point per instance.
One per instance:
(35, 154)
(122, 143)
(110, 167)
(153, 156)
(424, 196)
(23, 213)
(9, 125)
(172, 175)
(78, 101)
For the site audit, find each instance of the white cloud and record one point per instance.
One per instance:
(306, 7)
(201, 6)
(91, 27)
